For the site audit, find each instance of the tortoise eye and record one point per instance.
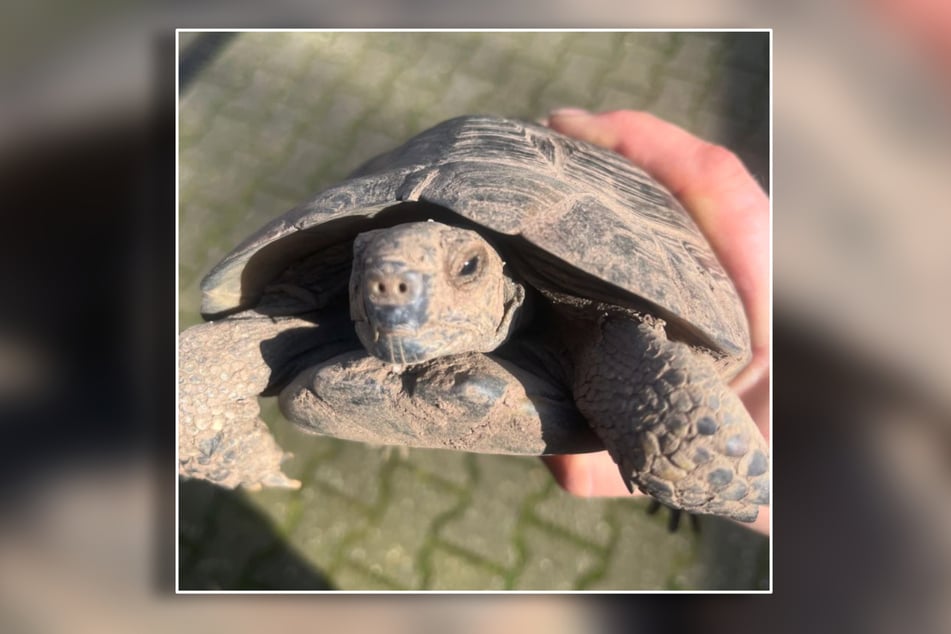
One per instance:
(469, 267)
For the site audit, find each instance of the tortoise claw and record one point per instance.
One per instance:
(278, 480)
(673, 521)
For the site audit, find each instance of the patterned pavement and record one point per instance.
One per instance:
(273, 118)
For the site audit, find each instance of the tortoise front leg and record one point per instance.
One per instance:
(470, 402)
(221, 437)
(671, 424)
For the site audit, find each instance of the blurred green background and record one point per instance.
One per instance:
(268, 119)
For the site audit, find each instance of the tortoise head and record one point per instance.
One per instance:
(423, 290)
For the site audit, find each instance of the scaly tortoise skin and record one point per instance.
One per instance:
(488, 286)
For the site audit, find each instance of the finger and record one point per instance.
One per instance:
(728, 205)
(588, 474)
(762, 523)
(755, 396)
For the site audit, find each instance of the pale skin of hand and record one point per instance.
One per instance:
(732, 211)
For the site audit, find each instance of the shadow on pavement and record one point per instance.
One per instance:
(227, 544)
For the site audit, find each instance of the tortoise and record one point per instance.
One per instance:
(488, 286)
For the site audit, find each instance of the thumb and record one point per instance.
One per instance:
(583, 125)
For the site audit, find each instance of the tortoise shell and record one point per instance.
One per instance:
(583, 221)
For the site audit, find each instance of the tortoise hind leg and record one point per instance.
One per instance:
(674, 428)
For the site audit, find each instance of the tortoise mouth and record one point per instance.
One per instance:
(386, 320)
(397, 348)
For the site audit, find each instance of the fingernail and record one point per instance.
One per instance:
(568, 112)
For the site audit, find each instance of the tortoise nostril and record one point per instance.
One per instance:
(392, 288)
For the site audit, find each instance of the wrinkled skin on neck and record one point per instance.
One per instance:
(424, 290)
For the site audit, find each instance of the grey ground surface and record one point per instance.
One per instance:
(268, 119)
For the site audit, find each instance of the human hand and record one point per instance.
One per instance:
(732, 211)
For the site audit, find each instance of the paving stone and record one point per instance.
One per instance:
(296, 174)
(635, 81)
(500, 489)
(186, 39)
(350, 577)
(232, 535)
(542, 50)
(197, 505)
(689, 60)
(487, 58)
(747, 51)
(393, 545)
(555, 563)
(462, 91)
(584, 519)
(602, 46)
(282, 506)
(283, 569)
(645, 49)
(328, 527)
(712, 126)
(740, 101)
(435, 65)
(728, 557)
(645, 555)
(264, 203)
(354, 470)
(518, 89)
(443, 465)
(612, 99)
(581, 73)
(559, 96)
(451, 571)
(677, 101)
